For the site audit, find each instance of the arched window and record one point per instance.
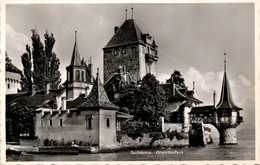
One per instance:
(82, 76)
(71, 75)
(77, 75)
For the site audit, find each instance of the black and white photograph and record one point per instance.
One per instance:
(146, 82)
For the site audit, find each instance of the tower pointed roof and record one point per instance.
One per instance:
(226, 100)
(98, 97)
(75, 59)
(128, 33)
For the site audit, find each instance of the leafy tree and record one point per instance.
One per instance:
(128, 98)
(152, 100)
(176, 78)
(45, 63)
(26, 78)
(19, 120)
(147, 102)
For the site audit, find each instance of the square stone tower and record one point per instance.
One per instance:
(132, 49)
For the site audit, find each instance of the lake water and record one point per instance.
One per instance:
(245, 150)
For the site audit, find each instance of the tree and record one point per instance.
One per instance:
(128, 98)
(152, 100)
(45, 63)
(176, 78)
(19, 120)
(26, 77)
(145, 103)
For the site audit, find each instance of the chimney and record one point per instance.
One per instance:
(115, 29)
(47, 88)
(90, 67)
(63, 103)
(124, 73)
(193, 88)
(214, 98)
(173, 85)
(120, 69)
(33, 90)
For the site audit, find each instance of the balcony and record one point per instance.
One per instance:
(150, 58)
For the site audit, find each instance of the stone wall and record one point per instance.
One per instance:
(169, 127)
(12, 82)
(150, 140)
(113, 57)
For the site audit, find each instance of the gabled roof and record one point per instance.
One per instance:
(75, 59)
(202, 109)
(9, 66)
(226, 100)
(128, 33)
(179, 93)
(39, 99)
(98, 97)
(76, 102)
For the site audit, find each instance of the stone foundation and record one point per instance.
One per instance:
(227, 136)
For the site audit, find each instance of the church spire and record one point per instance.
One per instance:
(225, 63)
(226, 100)
(132, 13)
(75, 59)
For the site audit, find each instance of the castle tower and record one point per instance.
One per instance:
(132, 49)
(79, 75)
(228, 114)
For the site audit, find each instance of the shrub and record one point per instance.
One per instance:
(46, 142)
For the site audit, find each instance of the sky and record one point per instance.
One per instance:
(191, 38)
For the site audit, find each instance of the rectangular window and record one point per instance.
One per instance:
(89, 122)
(108, 122)
(82, 75)
(60, 122)
(50, 123)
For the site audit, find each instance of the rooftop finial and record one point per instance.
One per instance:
(75, 35)
(132, 11)
(97, 72)
(125, 12)
(225, 62)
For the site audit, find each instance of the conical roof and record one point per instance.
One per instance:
(128, 33)
(98, 97)
(75, 59)
(226, 100)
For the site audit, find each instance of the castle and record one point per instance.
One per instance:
(84, 109)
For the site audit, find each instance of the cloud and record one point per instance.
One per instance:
(206, 83)
(244, 80)
(162, 77)
(15, 40)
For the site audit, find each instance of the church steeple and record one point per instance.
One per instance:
(226, 100)
(75, 59)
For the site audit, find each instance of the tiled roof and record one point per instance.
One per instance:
(180, 93)
(89, 75)
(128, 33)
(76, 102)
(75, 59)
(203, 109)
(97, 97)
(39, 99)
(10, 67)
(226, 100)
